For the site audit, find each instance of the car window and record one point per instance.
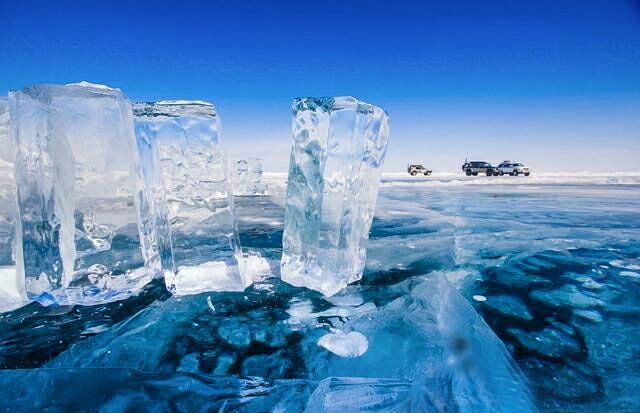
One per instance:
(517, 164)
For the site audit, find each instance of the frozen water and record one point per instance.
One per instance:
(248, 178)
(339, 146)
(119, 390)
(568, 296)
(508, 306)
(202, 222)
(361, 395)
(430, 333)
(83, 236)
(12, 292)
(428, 348)
(442, 342)
(549, 343)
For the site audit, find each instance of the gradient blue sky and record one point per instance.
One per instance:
(555, 84)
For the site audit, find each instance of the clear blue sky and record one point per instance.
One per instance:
(553, 83)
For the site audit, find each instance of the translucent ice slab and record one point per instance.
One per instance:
(431, 336)
(12, 292)
(193, 171)
(339, 146)
(84, 236)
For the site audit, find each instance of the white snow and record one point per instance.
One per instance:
(351, 344)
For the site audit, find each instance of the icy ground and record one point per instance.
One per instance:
(479, 294)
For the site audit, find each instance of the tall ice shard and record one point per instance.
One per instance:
(339, 146)
(84, 234)
(193, 171)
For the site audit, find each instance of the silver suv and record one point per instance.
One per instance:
(513, 168)
(482, 167)
(418, 169)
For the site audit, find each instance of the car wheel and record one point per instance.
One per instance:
(501, 173)
(514, 173)
(425, 174)
(468, 172)
(475, 174)
(526, 174)
(413, 173)
(489, 173)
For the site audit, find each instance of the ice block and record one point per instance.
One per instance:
(339, 146)
(200, 210)
(84, 235)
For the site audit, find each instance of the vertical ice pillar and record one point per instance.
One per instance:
(85, 235)
(339, 146)
(202, 222)
(12, 292)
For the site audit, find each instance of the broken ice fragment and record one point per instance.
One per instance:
(84, 235)
(508, 306)
(339, 146)
(201, 217)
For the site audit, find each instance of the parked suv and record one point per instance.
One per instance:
(482, 167)
(513, 168)
(418, 169)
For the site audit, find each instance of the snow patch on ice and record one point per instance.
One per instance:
(352, 344)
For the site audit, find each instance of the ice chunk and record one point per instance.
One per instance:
(566, 296)
(202, 221)
(339, 146)
(355, 395)
(430, 334)
(248, 178)
(12, 293)
(119, 389)
(549, 343)
(508, 306)
(84, 236)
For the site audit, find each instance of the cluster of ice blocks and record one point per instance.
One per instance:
(248, 178)
(102, 196)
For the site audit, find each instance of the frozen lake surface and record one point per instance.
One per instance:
(479, 294)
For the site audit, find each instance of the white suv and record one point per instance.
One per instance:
(513, 168)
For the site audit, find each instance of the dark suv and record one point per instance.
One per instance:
(482, 167)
